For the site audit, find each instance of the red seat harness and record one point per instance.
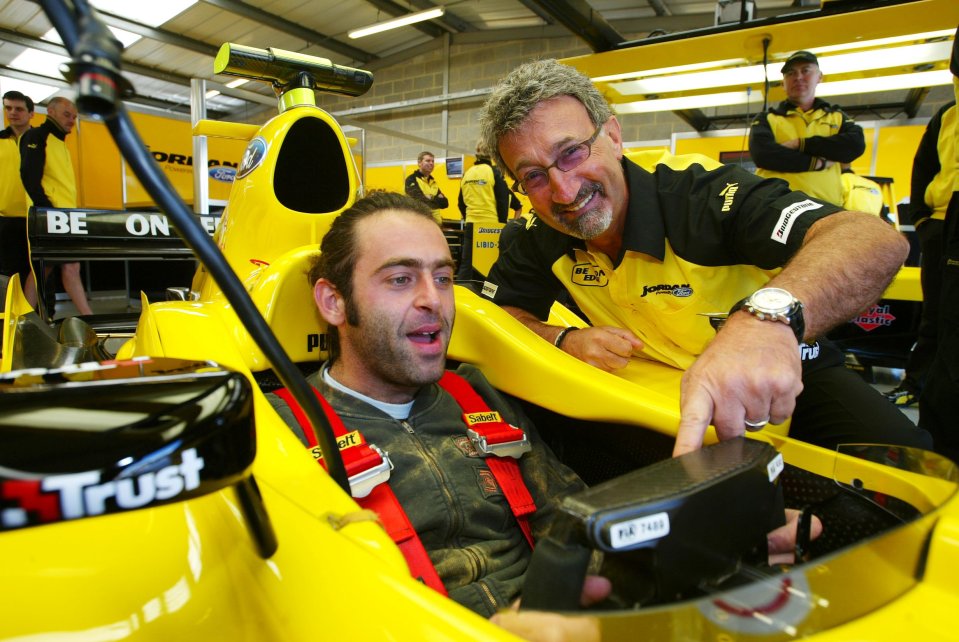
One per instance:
(368, 469)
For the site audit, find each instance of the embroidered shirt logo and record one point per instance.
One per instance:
(728, 193)
(589, 275)
(681, 291)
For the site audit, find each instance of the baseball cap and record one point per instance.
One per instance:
(803, 56)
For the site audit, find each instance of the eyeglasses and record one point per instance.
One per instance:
(570, 158)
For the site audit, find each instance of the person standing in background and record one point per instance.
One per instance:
(484, 199)
(47, 174)
(14, 254)
(803, 140)
(933, 172)
(422, 186)
(939, 402)
(484, 196)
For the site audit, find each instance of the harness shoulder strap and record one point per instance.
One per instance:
(381, 499)
(494, 430)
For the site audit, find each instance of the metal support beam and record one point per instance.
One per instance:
(160, 35)
(201, 179)
(281, 24)
(582, 20)
(914, 100)
(695, 118)
(415, 102)
(404, 136)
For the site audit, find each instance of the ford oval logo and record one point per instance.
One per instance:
(683, 292)
(253, 156)
(222, 173)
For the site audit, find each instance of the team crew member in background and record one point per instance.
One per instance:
(484, 199)
(484, 196)
(47, 174)
(14, 255)
(421, 185)
(933, 172)
(939, 402)
(803, 140)
(384, 283)
(665, 245)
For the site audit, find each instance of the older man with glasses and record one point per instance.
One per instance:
(646, 253)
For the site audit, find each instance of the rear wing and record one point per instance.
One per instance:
(84, 234)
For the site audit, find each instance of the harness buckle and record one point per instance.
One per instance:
(515, 445)
(367, 467)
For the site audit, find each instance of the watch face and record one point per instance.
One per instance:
(771, 299)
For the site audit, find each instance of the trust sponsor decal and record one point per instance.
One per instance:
(681, 290)
(788, 216)
(808, 351)
(876, 316)
(587, 274)
(73, 496)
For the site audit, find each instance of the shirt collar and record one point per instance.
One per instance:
(644, 230)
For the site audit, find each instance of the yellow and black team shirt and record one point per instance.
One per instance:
(934, 169)
(426, 189)
(13, 199)
(695, 241)
(824, 131)
(46, 168)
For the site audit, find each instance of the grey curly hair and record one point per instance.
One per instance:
(520, 91)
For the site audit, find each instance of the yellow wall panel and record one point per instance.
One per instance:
(897, 148)
(100, 168)
(171, 144)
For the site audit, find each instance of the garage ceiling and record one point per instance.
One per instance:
(165, 56)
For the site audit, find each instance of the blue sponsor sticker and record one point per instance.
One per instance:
(222, 173)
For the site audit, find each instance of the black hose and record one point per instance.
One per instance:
(159, 187)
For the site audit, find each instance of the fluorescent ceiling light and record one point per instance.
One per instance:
(837, 88)
(39, 62)
(843, 63)
(884, 42)
(885, 83)
(213, 93)
(683, 102)
(672, 70)
(233, 84)
(402, 21)
(38, 92)
(152, 13)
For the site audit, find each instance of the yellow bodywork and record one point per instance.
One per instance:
(189, 570)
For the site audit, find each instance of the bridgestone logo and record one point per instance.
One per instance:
(788, 217)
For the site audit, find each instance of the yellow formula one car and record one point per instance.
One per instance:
(157, 496)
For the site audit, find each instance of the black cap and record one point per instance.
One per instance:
(804, 56)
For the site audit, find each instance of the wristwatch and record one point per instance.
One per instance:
(775, 304)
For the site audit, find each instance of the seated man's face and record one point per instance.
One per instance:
(403, 296)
